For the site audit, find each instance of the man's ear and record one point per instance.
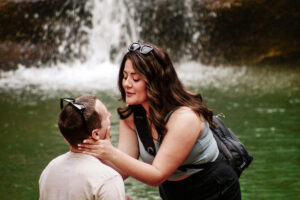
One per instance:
(96, 134)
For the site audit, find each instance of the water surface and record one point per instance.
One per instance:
(261, 105)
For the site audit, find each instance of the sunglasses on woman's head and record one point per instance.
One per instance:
(144, 49)
(78, 106)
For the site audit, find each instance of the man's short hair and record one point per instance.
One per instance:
(70, 121)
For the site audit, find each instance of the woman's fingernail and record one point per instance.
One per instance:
(84, 141)
(79, 145)
(79, 148)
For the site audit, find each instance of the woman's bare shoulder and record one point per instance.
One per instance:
(187, 117)
(185, 111)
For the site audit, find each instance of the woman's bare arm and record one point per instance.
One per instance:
(128, 142)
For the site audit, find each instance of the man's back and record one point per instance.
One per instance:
(78, 176)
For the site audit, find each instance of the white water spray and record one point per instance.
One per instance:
(113, 26)
(98, 72)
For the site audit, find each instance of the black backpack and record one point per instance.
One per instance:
(231, 147)
(233, 150)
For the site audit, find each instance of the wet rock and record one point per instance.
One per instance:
(254, 32)
(33, 30)
(230, 32)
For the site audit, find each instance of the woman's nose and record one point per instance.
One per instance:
(127, 82)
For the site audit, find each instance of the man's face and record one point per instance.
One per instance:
(105, 123)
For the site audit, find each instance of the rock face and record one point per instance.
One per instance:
(32, 30)
(230, 32)
(261, 31)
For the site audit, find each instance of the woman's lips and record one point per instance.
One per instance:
(129, 94)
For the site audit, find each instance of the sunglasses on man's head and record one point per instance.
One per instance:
(144, 49)
(78, 106)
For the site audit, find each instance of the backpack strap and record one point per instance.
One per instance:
(142, 128)
(169, 115)
(217, 132)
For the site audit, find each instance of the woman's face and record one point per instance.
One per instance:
(134, 85)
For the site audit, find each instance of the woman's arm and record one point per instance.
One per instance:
(184, 127)
(128, 142)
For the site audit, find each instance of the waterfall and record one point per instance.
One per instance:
(113, 29)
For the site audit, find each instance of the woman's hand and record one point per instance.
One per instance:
(102, 149)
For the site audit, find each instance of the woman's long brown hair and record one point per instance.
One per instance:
(165, 92)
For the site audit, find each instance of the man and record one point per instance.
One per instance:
(73, 175)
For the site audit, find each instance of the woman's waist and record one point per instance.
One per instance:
(180, 178)
(185, 171)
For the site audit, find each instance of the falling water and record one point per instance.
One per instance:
(112, 31)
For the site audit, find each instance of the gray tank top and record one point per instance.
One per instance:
(205, 150)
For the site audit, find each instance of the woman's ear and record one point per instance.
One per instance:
(96, 134)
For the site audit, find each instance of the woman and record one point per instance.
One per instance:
(147, 78)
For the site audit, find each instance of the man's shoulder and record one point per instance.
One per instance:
(52, 165)
(57, 159)
(102, 170)
(87, 165)
(78, 166)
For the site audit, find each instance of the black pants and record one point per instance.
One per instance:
(218, 182)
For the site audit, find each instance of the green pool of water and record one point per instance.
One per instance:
(265, 116)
